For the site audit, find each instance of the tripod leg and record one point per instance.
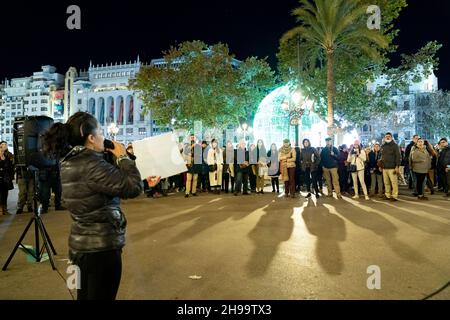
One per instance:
(18, 244)
(36, 239)
(44, 238)
(48, 239)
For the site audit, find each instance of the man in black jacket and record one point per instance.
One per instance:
(443, 164)
(329, 160)
(391, 160)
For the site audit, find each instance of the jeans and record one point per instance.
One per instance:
(241, 178)
(414, 180)
(100, 275)
(47, 183)
(420, 182)
(311, 177)
(275, 184)
(376, 180)
(343, 179)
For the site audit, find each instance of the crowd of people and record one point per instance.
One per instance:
(345, 170)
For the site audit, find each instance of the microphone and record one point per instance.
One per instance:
(108, 144)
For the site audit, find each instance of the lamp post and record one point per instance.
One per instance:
(113, 130)
(295, 106)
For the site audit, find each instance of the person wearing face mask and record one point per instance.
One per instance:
(420, 163)
(287, 156)
(92, 189)
(390, 163)
(215, 164)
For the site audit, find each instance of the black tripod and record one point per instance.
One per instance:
(39, 229)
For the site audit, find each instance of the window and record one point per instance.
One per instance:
(142, 117)
(142, 131)
(129, 130)
(7, 122)
(120, 133)
(34, 102)
(108, 75)
(33, 109)
(13, 114)
(44, 109)
(44, 101)
(7, 130)
(79, 101)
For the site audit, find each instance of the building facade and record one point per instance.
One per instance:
(407, 118)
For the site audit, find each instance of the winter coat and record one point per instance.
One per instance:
(420, 160)
(92, 189)
(390, 155)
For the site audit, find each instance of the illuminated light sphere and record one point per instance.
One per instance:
(272, 123)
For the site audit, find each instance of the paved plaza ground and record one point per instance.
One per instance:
(255, 247)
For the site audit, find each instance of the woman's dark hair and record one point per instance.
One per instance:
(61, 138)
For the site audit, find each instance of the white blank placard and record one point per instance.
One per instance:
(158, 156)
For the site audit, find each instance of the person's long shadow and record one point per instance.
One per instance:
(329, 230)
(215, 213)
(203, 215)
(273, 228)
(412, 217)
(372, 219)
(438, 208)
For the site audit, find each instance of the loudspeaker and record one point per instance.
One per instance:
(27, 139)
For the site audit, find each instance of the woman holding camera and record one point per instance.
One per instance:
(92, 188)
(357, 160)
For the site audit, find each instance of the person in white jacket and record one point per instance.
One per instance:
(357, 160)
(215, 164)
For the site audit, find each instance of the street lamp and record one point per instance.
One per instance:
(295, 106)
(113, 130)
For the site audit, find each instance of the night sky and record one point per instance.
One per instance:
(112, 31)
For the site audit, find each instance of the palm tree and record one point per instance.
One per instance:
(331, 28)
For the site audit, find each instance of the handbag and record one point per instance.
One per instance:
(352, 168)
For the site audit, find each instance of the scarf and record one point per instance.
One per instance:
(285, 151)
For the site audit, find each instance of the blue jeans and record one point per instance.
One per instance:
(241, 178)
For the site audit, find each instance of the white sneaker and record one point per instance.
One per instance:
(355, 197)
(367, 198)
